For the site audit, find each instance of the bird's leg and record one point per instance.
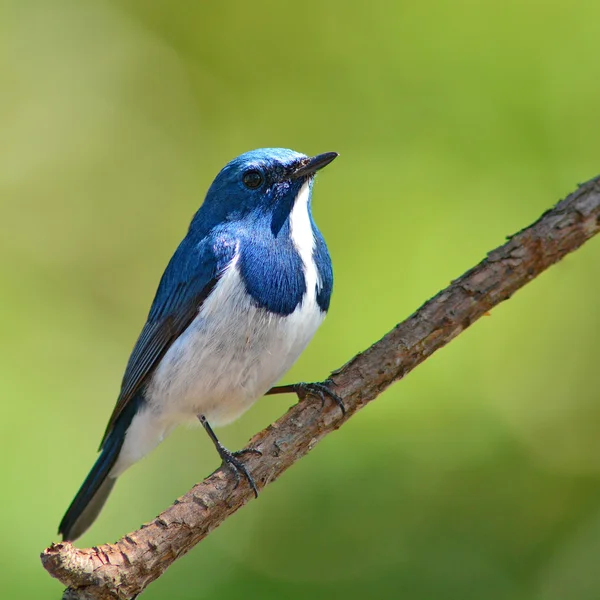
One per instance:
(302, 389)
(230, 458)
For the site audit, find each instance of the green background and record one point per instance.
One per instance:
(458, 122)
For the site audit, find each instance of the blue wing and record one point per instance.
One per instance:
(187, 281)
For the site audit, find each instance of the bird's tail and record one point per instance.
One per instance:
(92, 495)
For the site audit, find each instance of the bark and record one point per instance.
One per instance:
(123, 570)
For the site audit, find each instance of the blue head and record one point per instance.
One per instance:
(258, 184)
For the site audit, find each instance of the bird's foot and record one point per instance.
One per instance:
(230, 459)
(236, 466)
(303, 389)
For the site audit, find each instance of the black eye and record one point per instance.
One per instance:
(252, 179)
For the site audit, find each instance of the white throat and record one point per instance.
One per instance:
(304, 240)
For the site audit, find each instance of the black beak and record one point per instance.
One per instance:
(309, 166)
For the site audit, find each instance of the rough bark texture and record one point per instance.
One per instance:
(122, 570)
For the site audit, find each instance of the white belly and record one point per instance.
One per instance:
(230, 355)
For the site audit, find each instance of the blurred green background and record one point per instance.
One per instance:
(458, 122)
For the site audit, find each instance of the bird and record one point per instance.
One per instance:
(239, 301)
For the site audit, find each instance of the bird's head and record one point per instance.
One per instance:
(263, 182)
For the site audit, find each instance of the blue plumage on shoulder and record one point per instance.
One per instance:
(273, 271)
(324, 269)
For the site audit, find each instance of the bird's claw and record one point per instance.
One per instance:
(229, 458)
(236, 466)
(321, 390)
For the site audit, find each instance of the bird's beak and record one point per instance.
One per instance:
(309, 166)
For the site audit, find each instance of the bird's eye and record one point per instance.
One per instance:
(252, 179)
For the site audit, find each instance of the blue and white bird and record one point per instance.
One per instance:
(239, 301)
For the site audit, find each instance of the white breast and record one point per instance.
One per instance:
(304, 241)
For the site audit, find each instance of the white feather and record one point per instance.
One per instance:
(231, 353)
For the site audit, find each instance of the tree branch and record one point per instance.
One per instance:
(122, 570)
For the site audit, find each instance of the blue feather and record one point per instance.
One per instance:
(323, 263)
(94, 491)
(272, 269)
(190, 276)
